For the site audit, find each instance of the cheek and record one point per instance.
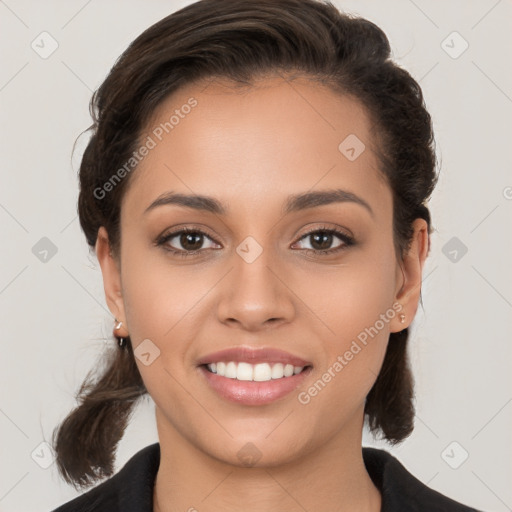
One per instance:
(353, 296)
(165, 303)
(159, 294)
(356, 310)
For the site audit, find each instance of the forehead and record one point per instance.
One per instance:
(252, 145)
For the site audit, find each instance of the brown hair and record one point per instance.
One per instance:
(242, 40)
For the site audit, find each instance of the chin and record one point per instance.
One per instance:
(255, 452)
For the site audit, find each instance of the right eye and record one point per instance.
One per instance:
(190, 239)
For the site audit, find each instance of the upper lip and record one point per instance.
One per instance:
(253, 356)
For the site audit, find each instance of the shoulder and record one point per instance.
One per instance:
(131, 489)
(400, 490)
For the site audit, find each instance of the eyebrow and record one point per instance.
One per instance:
(294, 203)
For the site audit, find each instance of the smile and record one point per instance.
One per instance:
(245, 389)
(260, 372)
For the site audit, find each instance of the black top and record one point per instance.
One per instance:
(131, 489)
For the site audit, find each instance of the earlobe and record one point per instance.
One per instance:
(111, 279)
(409, 285)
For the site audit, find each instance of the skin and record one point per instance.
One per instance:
(250, 148)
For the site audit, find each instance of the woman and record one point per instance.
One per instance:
(255, 190)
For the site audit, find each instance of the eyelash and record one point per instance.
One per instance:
(346, 239)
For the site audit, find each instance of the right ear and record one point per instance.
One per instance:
(111, 280)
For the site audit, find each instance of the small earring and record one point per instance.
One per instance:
(120, 341)
(402, 318)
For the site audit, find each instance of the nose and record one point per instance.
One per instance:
(254, 295)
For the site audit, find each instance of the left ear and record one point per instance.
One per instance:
(410, 275)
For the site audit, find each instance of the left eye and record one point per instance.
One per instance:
(321, 240)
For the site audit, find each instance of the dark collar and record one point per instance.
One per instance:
(131, 489)
(400, 490)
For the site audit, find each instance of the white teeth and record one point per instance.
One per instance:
(288, 370)
(260, 372)
(278, 371)
(244, 371)
(230, 372)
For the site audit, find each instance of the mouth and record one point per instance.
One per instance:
(261, 372)
(250, 376)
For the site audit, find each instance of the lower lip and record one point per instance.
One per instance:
(246, 392)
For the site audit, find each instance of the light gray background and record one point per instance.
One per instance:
(54, 320)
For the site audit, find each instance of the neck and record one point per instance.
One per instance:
(325, 479)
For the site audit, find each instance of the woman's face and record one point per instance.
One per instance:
(258, 278)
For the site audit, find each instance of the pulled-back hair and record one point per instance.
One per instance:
(242, 40)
